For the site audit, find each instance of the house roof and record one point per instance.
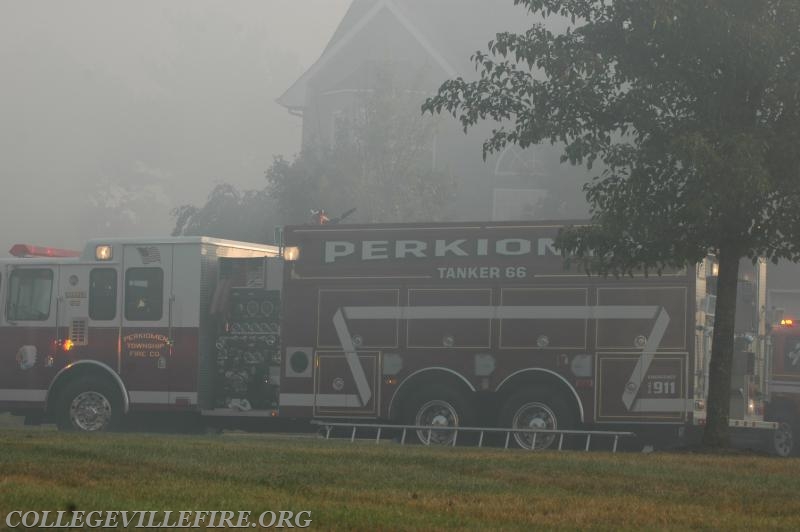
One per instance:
(449, 31)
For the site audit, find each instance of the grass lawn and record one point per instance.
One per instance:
(366, 486)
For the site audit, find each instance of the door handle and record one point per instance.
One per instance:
(58, 323)
(170, 339)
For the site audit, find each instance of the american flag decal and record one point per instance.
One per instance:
(149, 254)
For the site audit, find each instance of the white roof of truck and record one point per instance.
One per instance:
(87, 254)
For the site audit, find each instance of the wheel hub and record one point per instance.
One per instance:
(537, 416)
(439, 420)
(537, 423)
(436, 413)
(90, 411)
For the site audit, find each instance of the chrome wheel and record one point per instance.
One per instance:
(783, 439)
(534, 415)
(439, 414)
(90, 411)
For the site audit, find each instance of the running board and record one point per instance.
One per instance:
(389, 431)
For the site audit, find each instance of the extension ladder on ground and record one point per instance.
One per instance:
(389, 431)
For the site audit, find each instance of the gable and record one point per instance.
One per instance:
(448, 32)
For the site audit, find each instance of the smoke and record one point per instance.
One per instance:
(112, 113)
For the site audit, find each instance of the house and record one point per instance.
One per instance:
(425, 43)
(428, 42)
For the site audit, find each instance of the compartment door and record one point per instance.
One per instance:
(337, 393)
(662, 396)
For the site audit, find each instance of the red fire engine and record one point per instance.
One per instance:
(426, 324)
(125, 325)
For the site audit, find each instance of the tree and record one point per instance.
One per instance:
(229, 213)
(380, 161)
(117, 206)
(693, 109)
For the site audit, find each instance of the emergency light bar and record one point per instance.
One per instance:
(26, 250)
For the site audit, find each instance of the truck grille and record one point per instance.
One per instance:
(79, 332)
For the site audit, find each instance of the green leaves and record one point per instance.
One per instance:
(691, 107)
(380, 161)
(247, 215)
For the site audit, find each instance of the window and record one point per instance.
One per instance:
(144, 294)
(103, 294)
(29, 294)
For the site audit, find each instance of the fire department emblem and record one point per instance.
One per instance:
(794, 356)
(26, 357)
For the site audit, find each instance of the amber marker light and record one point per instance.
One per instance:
(291, 253)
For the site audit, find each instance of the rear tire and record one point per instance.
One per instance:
(88, 405)
(537, 409)
(444, 408)
(784, 438)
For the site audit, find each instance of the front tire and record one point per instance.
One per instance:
(87, 405)
(443, 409)
(537, 409)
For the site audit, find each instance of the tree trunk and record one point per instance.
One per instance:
(716, 433)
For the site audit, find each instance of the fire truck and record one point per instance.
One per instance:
(444, 325)
(126, 325)
(783, 385)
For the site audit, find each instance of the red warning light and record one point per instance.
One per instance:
(26, 250)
